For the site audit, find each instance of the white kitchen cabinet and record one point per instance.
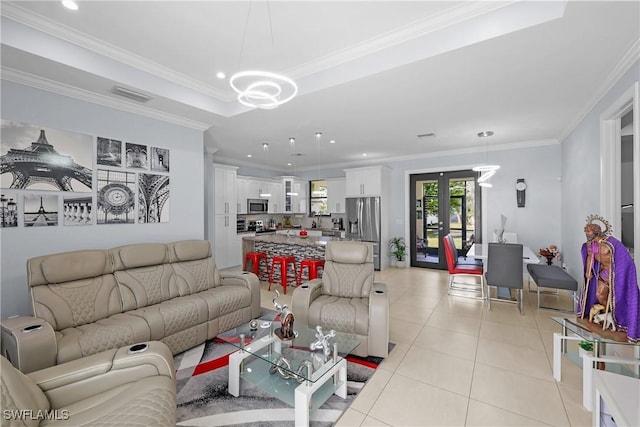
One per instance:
(367, 181)
(225, 190)
(300, 201)
(226, 202)
(241, 194)
(336, 194)
(275, 201)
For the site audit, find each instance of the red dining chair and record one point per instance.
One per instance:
(456, 270)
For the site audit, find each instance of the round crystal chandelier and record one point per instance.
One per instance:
(263, 89)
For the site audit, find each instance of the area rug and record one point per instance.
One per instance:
(203, 398)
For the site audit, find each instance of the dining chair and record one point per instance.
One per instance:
(504, 269)
(457, 270)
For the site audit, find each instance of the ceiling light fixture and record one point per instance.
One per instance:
(265, 148)
(70, 4)
(262, 89)
(220, 75)
(318, 136)
(486, 170)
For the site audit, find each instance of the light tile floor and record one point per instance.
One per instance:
(457, 364)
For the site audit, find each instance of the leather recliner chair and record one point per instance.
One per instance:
(346, 298)
(132, 385)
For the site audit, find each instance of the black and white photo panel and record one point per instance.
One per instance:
(40, 210)
(136, 156)
(109, 152)
(116, 197)
(77, 210)
(9, 206)
(159, 159)
(153, 198)
(40, 158)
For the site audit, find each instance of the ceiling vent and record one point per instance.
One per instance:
(131, 94)
(426, 135)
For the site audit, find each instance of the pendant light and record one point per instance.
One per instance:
(265, 148)
(486, 170)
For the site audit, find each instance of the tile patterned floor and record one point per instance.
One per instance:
(457, 364)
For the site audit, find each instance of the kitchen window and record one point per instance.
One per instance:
(318, 198)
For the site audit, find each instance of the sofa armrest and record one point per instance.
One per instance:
(28, 343)
(379, 320)
(302, 298)
(91, 375)
(249, 280)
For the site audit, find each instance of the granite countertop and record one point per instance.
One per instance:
(294, 240)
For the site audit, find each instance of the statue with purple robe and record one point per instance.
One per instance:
(610, 296)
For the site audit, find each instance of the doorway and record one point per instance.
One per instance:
(443, 203)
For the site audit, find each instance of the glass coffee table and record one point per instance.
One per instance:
(288, 369)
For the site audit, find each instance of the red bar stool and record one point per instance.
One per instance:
(312, 266)
(255, 258)
(284, 261)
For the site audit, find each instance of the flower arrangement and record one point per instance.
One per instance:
(549, 253)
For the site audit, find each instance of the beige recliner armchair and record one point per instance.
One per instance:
(130, 386)
(346, 298)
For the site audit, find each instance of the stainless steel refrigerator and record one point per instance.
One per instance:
(363, 222)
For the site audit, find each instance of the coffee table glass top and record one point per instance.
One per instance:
(572, 325)
(290, 358)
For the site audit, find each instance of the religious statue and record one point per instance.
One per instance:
(610, 294)
(285, 332)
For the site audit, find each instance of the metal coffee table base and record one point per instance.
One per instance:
(303, 393)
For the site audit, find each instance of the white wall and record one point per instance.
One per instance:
(581, 172)
(537, 224)
(38, 107)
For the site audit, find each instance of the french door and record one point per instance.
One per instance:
(443, 203)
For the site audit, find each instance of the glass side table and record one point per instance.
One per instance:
(603, 355)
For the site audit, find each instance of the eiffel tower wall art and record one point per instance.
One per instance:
(40, 210)
(39, 158)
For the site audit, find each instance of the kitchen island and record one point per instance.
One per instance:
(281, 244)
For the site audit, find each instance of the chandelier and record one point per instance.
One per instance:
(262, 89)
(486, 170)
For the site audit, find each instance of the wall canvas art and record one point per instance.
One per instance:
(77, 210)
(116, 197)
(153, 198)
(39, 158)
(40, 210)
(109, 152)
(9, 209)
(136, 156)
(159, 159)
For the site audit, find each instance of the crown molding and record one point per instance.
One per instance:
(37, 82)
(62, 32)
(626, 62)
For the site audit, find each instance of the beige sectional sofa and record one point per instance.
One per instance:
(86, 302)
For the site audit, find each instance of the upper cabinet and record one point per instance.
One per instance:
(225, 199)
(336, 194)
(294, 195)
(367, 181)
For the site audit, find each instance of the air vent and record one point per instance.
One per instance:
(426, 135)
(131, 94)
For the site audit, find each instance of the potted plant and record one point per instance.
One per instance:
(398, 250)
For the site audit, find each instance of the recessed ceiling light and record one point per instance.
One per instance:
(220, 75)
(333, 141)
(288, 164)
(249, 155)
(364, 154)
(70, 4)
(485, 133)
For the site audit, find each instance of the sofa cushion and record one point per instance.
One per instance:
(116, 331)
(19, 393)
(349, 315)
(139, 255)
(77, 302)
(189, 250)
(68, 266)
(145, 286)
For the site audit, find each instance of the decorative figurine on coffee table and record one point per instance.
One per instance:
(610, 299)
(322, 341)
(285, 332)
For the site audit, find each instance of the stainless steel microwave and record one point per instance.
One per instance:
(257, 206)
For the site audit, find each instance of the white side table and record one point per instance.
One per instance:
(619, 394)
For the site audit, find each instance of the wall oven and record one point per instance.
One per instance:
(257, 206)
